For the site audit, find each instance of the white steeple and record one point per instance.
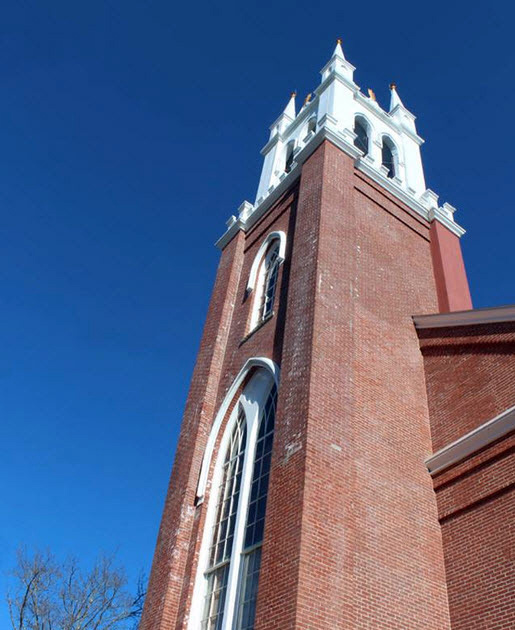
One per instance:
(331, 114)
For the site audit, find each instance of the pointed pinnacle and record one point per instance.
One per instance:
(395, 99)
(289, 110)
(338, 51)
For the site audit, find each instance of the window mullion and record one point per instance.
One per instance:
(239, 530)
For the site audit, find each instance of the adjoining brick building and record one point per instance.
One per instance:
(344, 461)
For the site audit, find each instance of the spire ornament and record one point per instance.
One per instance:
(338, 51)
(290, 107)
(395, 100)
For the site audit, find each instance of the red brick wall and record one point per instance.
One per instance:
(476, 501)
(469, 375)
(352, 538)
(450, 275)
(470, 380)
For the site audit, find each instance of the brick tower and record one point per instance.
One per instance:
(300, 497)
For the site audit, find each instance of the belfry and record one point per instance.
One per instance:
(346, 457)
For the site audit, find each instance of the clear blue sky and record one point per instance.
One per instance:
(129, 132)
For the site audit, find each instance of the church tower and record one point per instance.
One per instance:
(299, 497)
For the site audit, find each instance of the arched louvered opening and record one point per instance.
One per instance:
(389, 157)
(289, 155)
(362, 139)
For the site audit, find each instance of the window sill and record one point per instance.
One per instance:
(256, 328)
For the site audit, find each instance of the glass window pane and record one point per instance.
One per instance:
(215, 599)
(271, 269)
(223, 530)
(254, 527)
(248, 590)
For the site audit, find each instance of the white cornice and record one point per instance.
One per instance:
(438, 215)
(304, 113)
(495, 315)
(273, 141)
(472, 442)
(328, 131)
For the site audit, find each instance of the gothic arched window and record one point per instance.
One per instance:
(222, 538)
(255, 523)
(388, 157)
(264, 276)
(361, 130)
(238, 512)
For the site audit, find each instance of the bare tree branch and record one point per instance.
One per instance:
(47, 595)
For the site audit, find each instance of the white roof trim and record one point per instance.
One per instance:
(493, 315)
(472, 442)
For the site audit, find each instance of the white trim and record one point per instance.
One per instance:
(252, 400)
(472, 442)
(436, 214)
(341, 140)
(278, 235)
(254, 362)
(495, 315)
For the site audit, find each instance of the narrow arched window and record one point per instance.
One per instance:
(289, 155)
(361, 130)
(388, 157)
(266, 285)
(222, 539)
(264, 277)
(312, 124)
(271, 272)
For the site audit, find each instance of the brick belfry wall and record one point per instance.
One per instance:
(352, 538)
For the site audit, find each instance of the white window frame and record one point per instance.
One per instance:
(256, 279)
(252, 400)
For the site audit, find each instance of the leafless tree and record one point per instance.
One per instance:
(45, 594)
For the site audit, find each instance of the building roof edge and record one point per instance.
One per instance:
(490, 315)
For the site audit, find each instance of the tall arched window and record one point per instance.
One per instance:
(264, 276)
(222, 538)
(312, 124)
(238, 510)
(388, 157)
(255, 523)
(361, 130)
